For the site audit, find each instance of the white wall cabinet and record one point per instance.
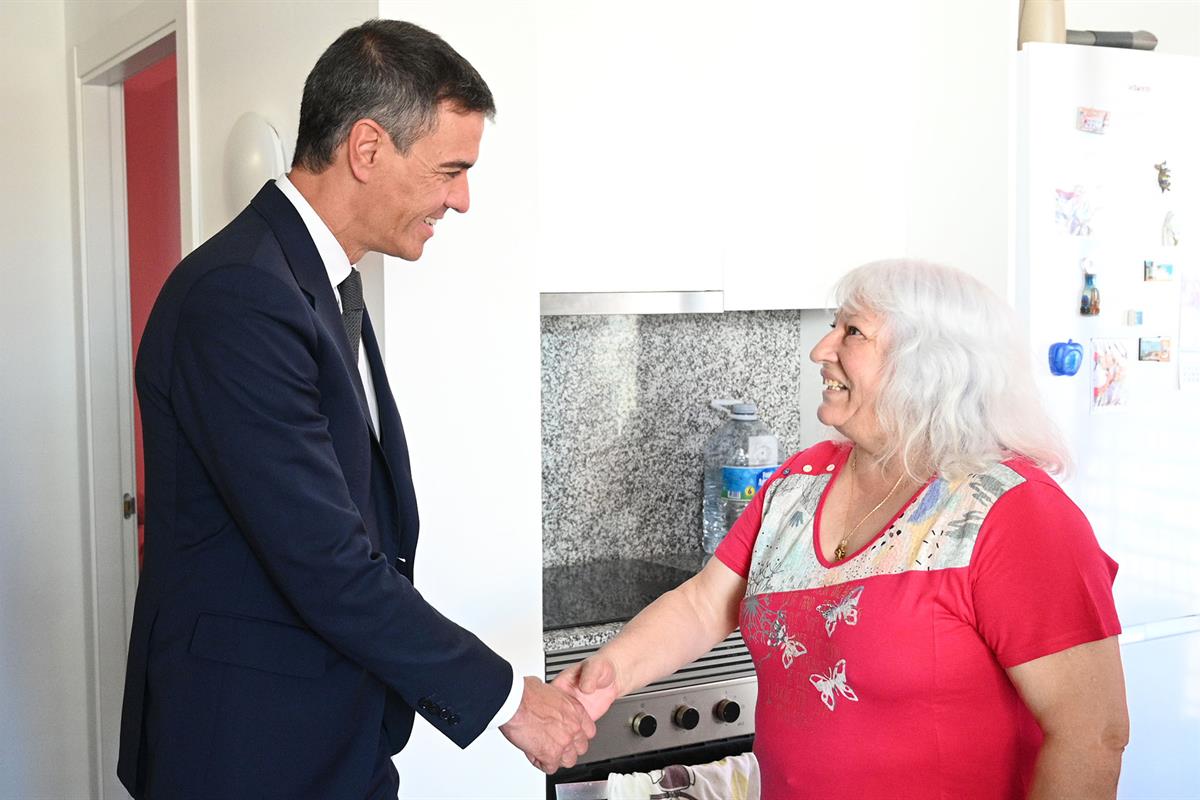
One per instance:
(819, 148)
(681, 147)
(630, 101)
(765, 149)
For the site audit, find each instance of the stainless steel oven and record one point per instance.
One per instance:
(702, 713)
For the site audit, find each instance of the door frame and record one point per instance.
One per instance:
(98, 69)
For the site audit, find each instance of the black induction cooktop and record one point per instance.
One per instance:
(610, 590)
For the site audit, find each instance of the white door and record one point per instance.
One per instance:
(135, 219)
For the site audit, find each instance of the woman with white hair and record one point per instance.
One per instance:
(929, 614)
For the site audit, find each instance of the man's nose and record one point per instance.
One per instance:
(460, 194)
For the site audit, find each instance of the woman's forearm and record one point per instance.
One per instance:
(677, 628)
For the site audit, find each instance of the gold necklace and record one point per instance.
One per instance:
(840, 551)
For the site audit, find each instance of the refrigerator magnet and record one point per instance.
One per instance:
(1089, 300)
(1170, 236)
(1157, 272)
(1155, 348)
(1073, 211)
(1065, 357)
(1164, 176)
(1091, 120)
(1110, 375)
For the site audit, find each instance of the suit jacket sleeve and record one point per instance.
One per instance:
(245, 392)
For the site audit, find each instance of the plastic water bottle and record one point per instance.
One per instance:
(738, 459)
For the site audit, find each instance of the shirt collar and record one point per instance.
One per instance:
(337, 265)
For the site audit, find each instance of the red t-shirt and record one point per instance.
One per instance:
(882, 676)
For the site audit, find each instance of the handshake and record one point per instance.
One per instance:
(556, 721)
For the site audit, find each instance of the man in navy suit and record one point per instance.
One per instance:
(279, 649)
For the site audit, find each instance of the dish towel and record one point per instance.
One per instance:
(733, 778)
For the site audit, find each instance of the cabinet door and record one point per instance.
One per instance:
(762, 149)
(628, 169)
(820, 178)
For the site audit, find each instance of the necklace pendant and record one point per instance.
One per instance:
(839, 552)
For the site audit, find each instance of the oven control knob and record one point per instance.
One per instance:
(686, 717)
(645, 724)
(727, 711)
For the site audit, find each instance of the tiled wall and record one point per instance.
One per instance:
(625, 417)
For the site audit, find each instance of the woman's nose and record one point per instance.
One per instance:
(823, 350)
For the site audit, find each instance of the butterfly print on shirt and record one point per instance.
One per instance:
(833, 681)
(789, 645)
(845, 609)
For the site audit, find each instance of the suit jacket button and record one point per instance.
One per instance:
(445, 714)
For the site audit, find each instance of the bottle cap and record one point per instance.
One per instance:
(744, 411)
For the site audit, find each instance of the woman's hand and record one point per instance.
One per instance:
(674, 630)
(593, 682)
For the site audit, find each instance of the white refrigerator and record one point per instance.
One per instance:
(1108, 179)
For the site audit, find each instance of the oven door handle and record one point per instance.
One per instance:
(583, 790)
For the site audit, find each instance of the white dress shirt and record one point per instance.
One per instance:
(338, 266)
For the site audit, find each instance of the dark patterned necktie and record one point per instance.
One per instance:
(352, 309)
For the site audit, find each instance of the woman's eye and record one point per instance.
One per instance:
(852, 330)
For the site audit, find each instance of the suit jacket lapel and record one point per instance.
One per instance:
(310, 274)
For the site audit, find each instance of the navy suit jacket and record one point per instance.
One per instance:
(276, 633)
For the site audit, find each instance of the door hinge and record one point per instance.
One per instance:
(129, 506)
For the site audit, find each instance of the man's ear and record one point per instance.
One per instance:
(364, 147)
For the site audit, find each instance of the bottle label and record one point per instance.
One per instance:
(742, 483)
(763, 449)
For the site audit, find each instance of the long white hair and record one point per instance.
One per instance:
(957, 393)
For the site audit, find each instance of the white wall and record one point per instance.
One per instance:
(464, 359)
(86, 18)
(254, 56)
(44, 742)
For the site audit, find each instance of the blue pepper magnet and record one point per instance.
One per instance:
(1065, 357)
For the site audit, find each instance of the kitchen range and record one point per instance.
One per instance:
(701, 713)
(626, 416)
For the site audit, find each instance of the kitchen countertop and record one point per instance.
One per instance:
(580, 636)
(581, 590)
(692, 560)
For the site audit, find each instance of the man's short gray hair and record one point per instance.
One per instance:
(392, 72)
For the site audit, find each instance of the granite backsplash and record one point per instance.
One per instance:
(625, 417)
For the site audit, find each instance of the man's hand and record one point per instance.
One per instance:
(593, 682)
(550, 726)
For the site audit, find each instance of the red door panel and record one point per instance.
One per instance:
(152, 186)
